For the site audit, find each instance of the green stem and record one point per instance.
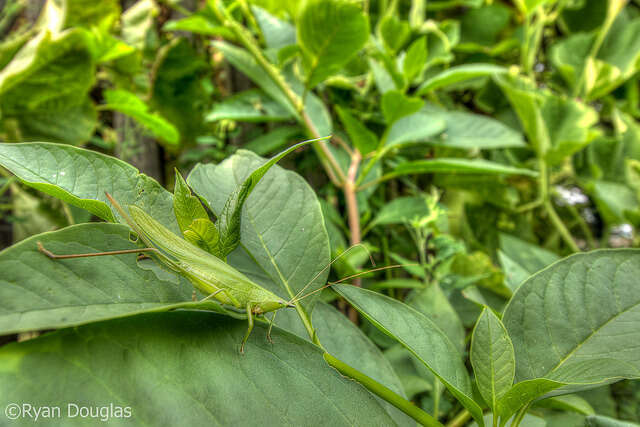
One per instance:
(383, 392)
(518, 419)
(559, 225)
(247, 40)
(460, 419)
(586, 230)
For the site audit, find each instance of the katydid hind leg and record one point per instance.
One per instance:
(249, 328)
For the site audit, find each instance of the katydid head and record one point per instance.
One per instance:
(271, 305)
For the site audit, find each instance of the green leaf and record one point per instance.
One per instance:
(458, 74)
(433, 303)
(204, 234)
(417, 127)
(277, 33)
(492, 357)
(420, 336)
(475, 131)
(520, 259)
(177, 91)
(230, 218)
(249, 106)
(273, 140)
(556, 127)
(199, 23)
(361, 137)
(566, 321)
(568, 402)
(244, 62)
(415, 59)
(482, 25)
(81, 177)
(88, 13)
(394, 32)
(137, 21)
(45, 86)
(443, 165)
(396, 105)
(284, 243)
(569, 55)
(523, 393)
(193, 219)
(40, 293)
(344, 340)
(195, 358)
(129, 104)
(330, 33)
(403, 210)
(602, 421)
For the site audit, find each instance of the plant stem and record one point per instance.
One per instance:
(559, 225)
(383, 392)
(520, 415)
(353, 214)
(334, 171)
(460, 419)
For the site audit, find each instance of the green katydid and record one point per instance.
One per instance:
(208, 273)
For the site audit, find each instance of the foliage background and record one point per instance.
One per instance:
(482, 140)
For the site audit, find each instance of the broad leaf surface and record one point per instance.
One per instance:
(417, 127)
(458, 74)
(282, 229)
(189, 365)
(492, 357)
(419, 335)
(330, 33)
(129, 104)
(520, 259)
(81, 177)
(40, 293)
(344, 340)
(462, 166)
(249, 106)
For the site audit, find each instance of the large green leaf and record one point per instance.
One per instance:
(566, 322)
(249, 106)
(330, 33)
(44, 88)
(557, 127)
(402, 210)
(282, 229)
(244, 62)
(420, 336)
(81, 177)
(129, 104)
(177, 91)
(344, 340)
(417, 127)
(361, 137)
(433, 303)
(458, 74)
(475, 131)
(602, 421)
(492, 357)
(40, 293)
(277, 33)
(520, 259)
(462, 166)
(396, 105)
(185, 368)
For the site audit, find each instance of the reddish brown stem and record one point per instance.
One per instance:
(353, 215)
